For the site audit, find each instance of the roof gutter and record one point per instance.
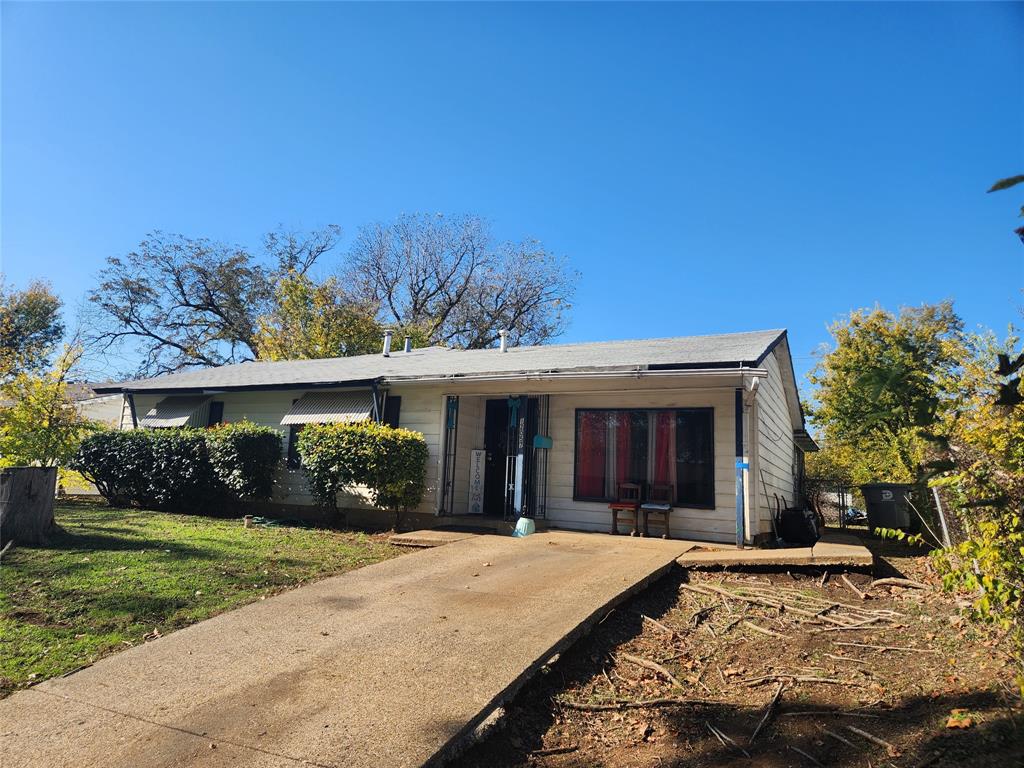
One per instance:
(573, 375)
(208, 390)
(629, 373)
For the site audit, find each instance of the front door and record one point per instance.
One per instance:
(496, 445)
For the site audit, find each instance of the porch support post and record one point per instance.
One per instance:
(131, 410)
(741, 465)
(375, 390)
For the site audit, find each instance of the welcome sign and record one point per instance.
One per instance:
(477, 462)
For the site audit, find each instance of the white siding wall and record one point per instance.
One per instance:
(775, 450)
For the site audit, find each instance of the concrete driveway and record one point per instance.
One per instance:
(389, 665)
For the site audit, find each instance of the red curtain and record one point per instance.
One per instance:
(664, 446)
(591, 449)
(623, 445)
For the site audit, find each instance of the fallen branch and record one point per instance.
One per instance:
(809, 757)
(768, 711)
(554, 751)
(824, 578)
(659, 625)
(801, 679)
(839, 738)
(6, 547)
(615, 691)
(722, 737)
(768, 632)
(653, 666)
(838, 713)
(700, 614)
(731, 624)
(887, 647)
(891, 582)
(858, 625)
(667, 701)
(853, 588)
(893, 752)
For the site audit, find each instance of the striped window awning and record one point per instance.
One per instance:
(173, 411)
(330, 407)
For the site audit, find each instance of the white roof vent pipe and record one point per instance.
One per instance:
(387, 343)
(408, 344)
(503, 335)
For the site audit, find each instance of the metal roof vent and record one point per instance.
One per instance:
(387, 343)
(503, 335)
(408, 344)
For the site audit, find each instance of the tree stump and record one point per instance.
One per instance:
(26, 504)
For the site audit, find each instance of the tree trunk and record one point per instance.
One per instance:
(26, 504)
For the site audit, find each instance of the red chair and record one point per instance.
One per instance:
(627, 500)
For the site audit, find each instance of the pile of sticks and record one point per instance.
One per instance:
(802, 608)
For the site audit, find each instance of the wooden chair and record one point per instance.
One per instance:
(627, 499)
(659, 502)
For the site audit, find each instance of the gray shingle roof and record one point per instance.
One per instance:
(685, 352)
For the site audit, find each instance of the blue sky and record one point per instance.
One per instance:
(708, 168)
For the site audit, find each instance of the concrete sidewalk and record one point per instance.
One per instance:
(389, 665)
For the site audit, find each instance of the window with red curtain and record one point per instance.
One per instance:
(645, 446)
(591, 454)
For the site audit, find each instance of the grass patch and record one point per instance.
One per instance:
(113, 577)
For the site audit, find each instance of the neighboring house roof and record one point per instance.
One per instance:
(80, 390)
(730, 350)
(83, 390)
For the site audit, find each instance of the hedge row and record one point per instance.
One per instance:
(390, 462)
(181, 469)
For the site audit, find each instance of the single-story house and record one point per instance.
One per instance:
(549, 431)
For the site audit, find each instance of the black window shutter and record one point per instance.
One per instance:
(216, 415)
(392, 407)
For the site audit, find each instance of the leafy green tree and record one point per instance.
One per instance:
(879, 393)
(30, 328)
(312, 320)
(41, 425)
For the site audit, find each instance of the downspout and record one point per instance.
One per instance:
(741, 466)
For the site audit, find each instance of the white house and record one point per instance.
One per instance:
(547, 431)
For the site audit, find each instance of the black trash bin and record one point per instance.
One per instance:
(887, 505)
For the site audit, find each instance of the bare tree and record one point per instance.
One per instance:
(447, 277)
(182, 302)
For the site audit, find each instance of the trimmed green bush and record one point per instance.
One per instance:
(117, 463)
(390, 462)
(243, 456)
(180, 477)
(181, 469)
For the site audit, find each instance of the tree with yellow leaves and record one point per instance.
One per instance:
(39, 424)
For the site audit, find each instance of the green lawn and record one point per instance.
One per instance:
(113, 578)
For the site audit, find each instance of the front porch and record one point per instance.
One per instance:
(560, 456)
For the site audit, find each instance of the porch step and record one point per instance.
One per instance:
(433, 537)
